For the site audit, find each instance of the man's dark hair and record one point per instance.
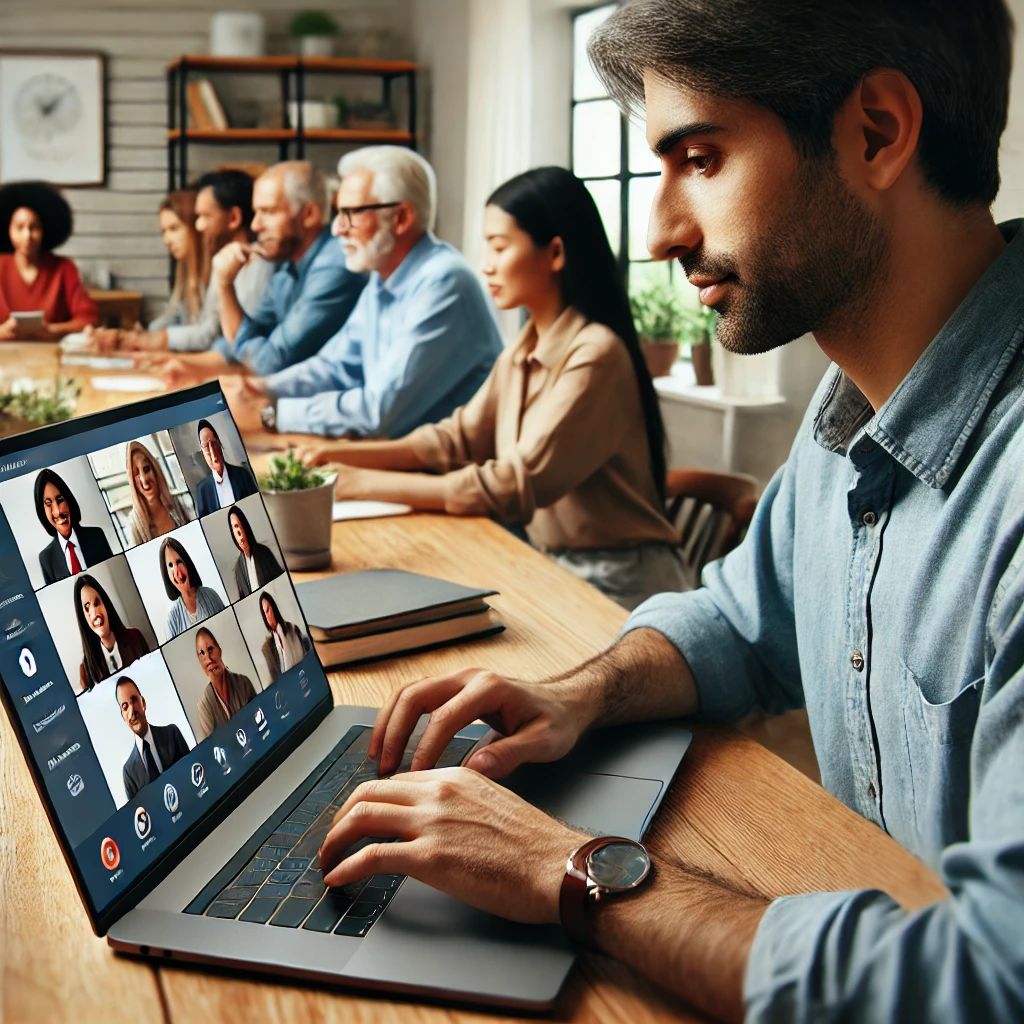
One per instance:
(47, 476)
(206, 425)
(126, 681)
(801, 60)
(193, 573)
(230, 188)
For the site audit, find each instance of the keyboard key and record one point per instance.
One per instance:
(225, 909)
(390, 882)
(328, 911)
(273, 854)
(352, 927)
(251, 877)
(260, 911)
(365, 908)
(310, 886)
(453, 754)
(293, 912)
(294, 864)
(285, 877)
(278, 892)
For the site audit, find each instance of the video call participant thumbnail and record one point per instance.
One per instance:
(107, 644)
(184, 586)
(256, 565)
(226, 693)
(226, 482)
(155, 511)
(285, 645)
(74, 547)
(157, 747)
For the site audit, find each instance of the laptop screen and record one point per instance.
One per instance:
(154, 651)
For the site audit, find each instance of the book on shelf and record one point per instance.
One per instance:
(382, 612)
(205, 111)
(213, 105)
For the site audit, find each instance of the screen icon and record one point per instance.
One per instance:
(303, 681)
(75, 784)
(170, 798)
(280, 700)
(197, 775)
(261, 719)
(142, 822)
(221, 757)
(240, 736)
(110, 854)
(27, 662)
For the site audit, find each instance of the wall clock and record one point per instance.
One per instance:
(52, 117)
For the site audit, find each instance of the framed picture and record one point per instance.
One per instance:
(53, 117)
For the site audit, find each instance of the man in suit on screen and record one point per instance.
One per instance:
(226, 483)
(156, 748)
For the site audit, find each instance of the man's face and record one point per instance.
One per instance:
(213, 453)
(56, 508)
(209, 656)
(368, 238)
(213, 222)
(277, 227)
(777, 243)
(133, 708)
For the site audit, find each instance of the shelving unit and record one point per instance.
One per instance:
(290, 141)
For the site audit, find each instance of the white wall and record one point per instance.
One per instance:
(118, 223)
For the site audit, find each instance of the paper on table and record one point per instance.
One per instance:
(97, 362)
(127, 383)
(368, 509)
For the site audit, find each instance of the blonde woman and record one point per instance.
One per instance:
(155, 511)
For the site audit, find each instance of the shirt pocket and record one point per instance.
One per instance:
(939, 737)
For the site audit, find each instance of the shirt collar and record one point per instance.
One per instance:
(299, 269)
(149, 737)
(927, 421)
(71, 538)
(405, 273)
(549, 348)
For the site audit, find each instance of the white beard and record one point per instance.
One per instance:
(370, 255)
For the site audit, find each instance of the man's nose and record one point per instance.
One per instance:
(672, 230)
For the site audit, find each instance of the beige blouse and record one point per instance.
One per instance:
(555, 440)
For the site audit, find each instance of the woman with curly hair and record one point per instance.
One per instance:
(155, 511)
(36, 219)
(108, 645)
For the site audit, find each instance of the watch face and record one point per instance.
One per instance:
(618, 865)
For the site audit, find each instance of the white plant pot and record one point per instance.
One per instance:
(302, 521)
(316, 46)
(237, 34)
(315, 114)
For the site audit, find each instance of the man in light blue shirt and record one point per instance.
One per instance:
(309, 298)
(422, 337)
(825, 167)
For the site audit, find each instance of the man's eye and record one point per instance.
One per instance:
(700, 162)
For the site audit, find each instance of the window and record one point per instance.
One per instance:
(612, 157)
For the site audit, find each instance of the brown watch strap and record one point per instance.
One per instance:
(574, 899)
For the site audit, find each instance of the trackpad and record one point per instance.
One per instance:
(598, 804)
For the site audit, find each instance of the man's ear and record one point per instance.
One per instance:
(405, 219)
(312, 216)
(235, 218)
(877, 129)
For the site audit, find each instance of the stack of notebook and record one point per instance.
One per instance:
(381, 612)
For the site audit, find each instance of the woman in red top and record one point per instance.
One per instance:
(32, 278)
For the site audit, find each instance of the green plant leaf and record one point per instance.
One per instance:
(287, 473)
(312, 23)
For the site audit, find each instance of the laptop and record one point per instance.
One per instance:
(158, 673)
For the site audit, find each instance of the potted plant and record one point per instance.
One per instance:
(698, 330)
(26, 404)
(315, 31)
(300, 502)
(657, 314)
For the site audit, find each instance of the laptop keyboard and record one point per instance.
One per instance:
(275, 879)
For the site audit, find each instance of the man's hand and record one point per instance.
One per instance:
(228, 262)
(174, 372)
(103, 340)
(349, 484)
(313, 455)
(540, 722)
(9, 329)
(459, 832)
(246, 397)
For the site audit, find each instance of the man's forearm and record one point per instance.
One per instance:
(398, 455)
(689, 933)
(641, 678)
(231, 312)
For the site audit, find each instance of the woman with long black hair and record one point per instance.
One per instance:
(565, 436)
(108, 645)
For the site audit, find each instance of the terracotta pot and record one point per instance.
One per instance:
(302, 521)
(701, 356)
(660, 356)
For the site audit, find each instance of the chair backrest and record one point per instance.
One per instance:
(711, 511)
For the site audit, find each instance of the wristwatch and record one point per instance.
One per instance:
(600, 869)
(268, 417)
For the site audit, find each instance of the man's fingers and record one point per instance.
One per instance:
(529, 745)
(375, 859)
(365, 820)
(398, 790)
(420, 698)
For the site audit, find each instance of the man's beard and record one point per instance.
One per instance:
(372, 254)
(820, 262)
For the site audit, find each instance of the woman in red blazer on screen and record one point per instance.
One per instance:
(34, 220)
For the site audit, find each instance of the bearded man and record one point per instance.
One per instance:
(422, 338)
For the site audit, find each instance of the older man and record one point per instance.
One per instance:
(309, 298)
(156, 747)
(422, 337)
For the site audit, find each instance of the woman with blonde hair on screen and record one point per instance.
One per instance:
(155, 511)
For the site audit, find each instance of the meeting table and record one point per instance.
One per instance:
(735, 808)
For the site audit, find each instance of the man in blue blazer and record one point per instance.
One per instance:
(74, 547)
(156, 748)
(226, 483)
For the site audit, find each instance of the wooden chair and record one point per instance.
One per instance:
(711, 511)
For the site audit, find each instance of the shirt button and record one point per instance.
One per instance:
(857, 661)
(869, 519)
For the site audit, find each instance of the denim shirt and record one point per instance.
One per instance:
(307, 302)
(881, 584)
(416, 347)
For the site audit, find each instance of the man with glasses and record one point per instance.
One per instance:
(422, 337)
(226, 483)
(309, 298)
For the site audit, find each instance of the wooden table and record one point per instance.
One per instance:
(735, 809)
